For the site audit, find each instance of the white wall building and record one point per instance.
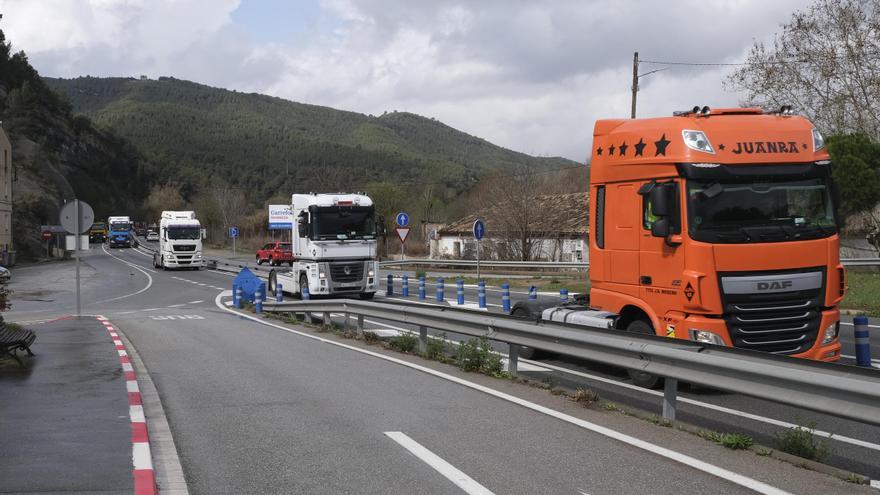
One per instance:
(6, 177)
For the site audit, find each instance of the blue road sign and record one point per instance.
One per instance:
(479, 229)
(233, 231)
(402, 219)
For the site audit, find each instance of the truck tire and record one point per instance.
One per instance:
(640, 378)
(367, 295)
(303, 282)
(273, 282)
(526, 352)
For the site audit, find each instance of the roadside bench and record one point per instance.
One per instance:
(14, 338)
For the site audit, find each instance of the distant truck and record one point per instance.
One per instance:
(120, 231)
(717, 226)
(98, 232)
(334, 246)
(275, 253)
(180, 241)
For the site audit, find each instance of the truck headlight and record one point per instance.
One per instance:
(697, 140)
(831, 332)
(370, 273)
(322, 275)
(705, 337)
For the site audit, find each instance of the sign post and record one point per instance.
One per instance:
(47, 236)
(233, 232)
(479, 232)
(402, 232)
(76, 218)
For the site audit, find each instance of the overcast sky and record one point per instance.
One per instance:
(529, 75)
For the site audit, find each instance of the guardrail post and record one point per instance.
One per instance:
(481, 294)
(326, 320)
(563, 295)
(423, 339)
(863, 341)
(258, 300)
(404, 290)
(421, 288)
(440, 290)
(670, 392)
(389, 291)
(346, 325)
(459, 291)
(505, 297)
(512, 359)
(533, 293)
(279, 293)
(360, 326)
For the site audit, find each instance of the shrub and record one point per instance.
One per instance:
(436, 348)
(477, 355)
(405, 342)
(585, 396)
(801, 441)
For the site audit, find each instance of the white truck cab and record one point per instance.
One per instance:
(334, 246)
(180, 241)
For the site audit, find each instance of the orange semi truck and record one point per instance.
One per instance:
(717, 226)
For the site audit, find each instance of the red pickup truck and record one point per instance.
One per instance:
(275, 253)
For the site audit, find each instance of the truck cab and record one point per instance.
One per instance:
(180, 241)
(120, 231)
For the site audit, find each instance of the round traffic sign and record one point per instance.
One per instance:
(68, 217)
(402, 219)
(479, 229)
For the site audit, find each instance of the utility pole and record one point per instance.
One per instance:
(635, 85)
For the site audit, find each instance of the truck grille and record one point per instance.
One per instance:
(781, 323)
(184, 247)
(355, 272)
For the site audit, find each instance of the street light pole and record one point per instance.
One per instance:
(635, 84)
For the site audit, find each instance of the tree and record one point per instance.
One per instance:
(161, 198)
(856, 169)
(826, 63)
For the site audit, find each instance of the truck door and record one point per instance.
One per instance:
(622, 219)
(660, 263)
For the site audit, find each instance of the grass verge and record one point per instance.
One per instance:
(863, 293)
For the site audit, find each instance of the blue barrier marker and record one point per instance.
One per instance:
(481, 294)
(404, 291)
(236, 296)
(505, 297)
(440, 290)
(305, 293)
(863, 341)
(563, 295)
(264, 294)
(390, 290)
(279, 293)
(533, 293)
(421, 288)
(459, 291)
(258, 300)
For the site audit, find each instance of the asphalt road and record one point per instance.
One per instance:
(255, 409)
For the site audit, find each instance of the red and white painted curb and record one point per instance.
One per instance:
(144, 476)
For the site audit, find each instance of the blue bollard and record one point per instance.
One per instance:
(264, 293)
(481, 294)
(404, 291)
(440, 290)
(390, 290)
(258, 300)
(279, 293)
(305, 293)
(505, 297)
(563, 295)
(533, 293)
(236, 296)
(459, 291)
(863, 341)
(421, 288)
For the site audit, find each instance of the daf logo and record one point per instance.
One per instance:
(346, 270)
(774, 285)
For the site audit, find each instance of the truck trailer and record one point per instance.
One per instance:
(717, 226)
(120, 231)
(334, 246)
(180, 241)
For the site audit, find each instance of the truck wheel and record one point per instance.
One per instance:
(303, 282)
(640, 378)
(273, 282)
(367, 295)
(526, 352)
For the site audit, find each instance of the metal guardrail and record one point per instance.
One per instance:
(555, 264)
(842, 391)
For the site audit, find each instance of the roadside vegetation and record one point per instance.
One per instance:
(863, 293)
(802, 442)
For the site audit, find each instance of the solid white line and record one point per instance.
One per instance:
(149, 280)
(687, 460)
(140, 455)
(196, 302)
(176, 305)
(706, 405)
(453, 474)
(850, 324)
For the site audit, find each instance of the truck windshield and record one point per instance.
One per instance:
(343, 223)
(189, 233)
(761, 210)
(120, 226)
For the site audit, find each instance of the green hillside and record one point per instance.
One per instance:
(271, 146)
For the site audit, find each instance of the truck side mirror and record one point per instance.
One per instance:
(660, 227)
(659, 198)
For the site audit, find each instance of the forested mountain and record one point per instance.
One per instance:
(58, 156)
(270, 146)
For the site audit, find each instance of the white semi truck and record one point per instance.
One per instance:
(180, 241)
(334, 246)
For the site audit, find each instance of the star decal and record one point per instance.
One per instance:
(611, 150)
(599, 151)
(640, 147)
(721, 147)
(623, 148)
(661, 145)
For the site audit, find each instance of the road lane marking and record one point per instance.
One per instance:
(750, 483)
(198, 302)
(850, 324)
(149, 280)
(453, 474)
(853, 358)
(177, 305)
(706, 405)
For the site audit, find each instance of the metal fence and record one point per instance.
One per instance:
(844, 391)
